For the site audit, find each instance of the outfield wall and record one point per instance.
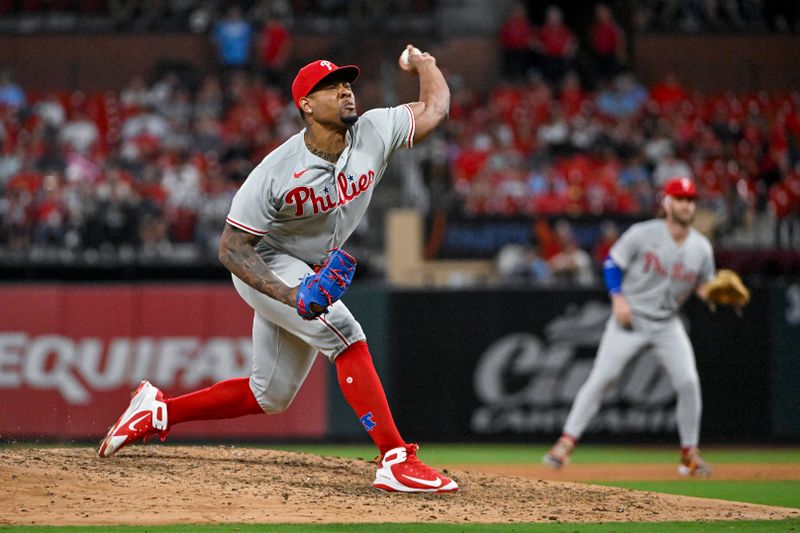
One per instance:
(509, 364)
(71, 354)
(495, 365)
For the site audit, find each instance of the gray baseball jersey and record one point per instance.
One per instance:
(303, 205)
(660, 274)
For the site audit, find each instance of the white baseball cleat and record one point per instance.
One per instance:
(402, 471)
(693, 465)
(146, 416)
(559, 454)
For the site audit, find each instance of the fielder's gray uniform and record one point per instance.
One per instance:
(303, 206)
(659, 276)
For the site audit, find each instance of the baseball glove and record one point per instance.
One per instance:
(318, 291)
(727, 289)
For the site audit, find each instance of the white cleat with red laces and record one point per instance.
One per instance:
(146, 416)
(402, 471)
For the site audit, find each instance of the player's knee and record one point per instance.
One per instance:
(270, 401)
(273, 405)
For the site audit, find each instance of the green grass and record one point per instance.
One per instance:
(741, 526)
(781, 493)
(586, 454)
(471, 453)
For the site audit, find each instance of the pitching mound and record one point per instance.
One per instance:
(164, 485)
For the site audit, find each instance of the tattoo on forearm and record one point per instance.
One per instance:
(237, 252)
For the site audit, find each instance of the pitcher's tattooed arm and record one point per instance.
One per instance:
(238, 253)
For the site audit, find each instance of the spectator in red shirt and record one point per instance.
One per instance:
(274, 50)
(515, 40)
(668, 93)
(608, 43)
(555, 45)
(571, 96)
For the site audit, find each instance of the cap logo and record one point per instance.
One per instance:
(685, 183)
(326, 64)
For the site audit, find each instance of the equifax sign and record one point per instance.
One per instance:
(71, 354)
(78, 367)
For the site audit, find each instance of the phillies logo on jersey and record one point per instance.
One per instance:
(348, 188)
(651, 262)
(679, 271)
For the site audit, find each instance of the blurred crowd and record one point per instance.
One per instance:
(571, 134)
(694, 16)
(150, 170)
(552, 48)
(197, 16)
(669, 16)
(156, 164)
(561, 136)
(533, 149)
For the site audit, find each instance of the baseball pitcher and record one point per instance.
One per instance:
(650, 272)
(282, 243)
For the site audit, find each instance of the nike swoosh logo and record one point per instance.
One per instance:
(298, 174)
(132, 425)
(433, 483)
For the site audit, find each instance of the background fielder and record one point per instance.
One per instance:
(650, 272)
(303, 200)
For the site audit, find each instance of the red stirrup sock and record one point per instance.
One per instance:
(363, 391)
(227, 399)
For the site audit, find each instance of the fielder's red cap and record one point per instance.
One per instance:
(313, 73)
(680, 188)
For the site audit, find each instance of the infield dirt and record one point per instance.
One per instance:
(179, 484)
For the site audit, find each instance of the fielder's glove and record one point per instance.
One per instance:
(727, 289)
(327, 285)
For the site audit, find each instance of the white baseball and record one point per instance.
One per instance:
(406, 53)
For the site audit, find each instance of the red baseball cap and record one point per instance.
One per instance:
(313, 73)
(680, 187)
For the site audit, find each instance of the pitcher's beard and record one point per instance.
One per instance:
(350, 119)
